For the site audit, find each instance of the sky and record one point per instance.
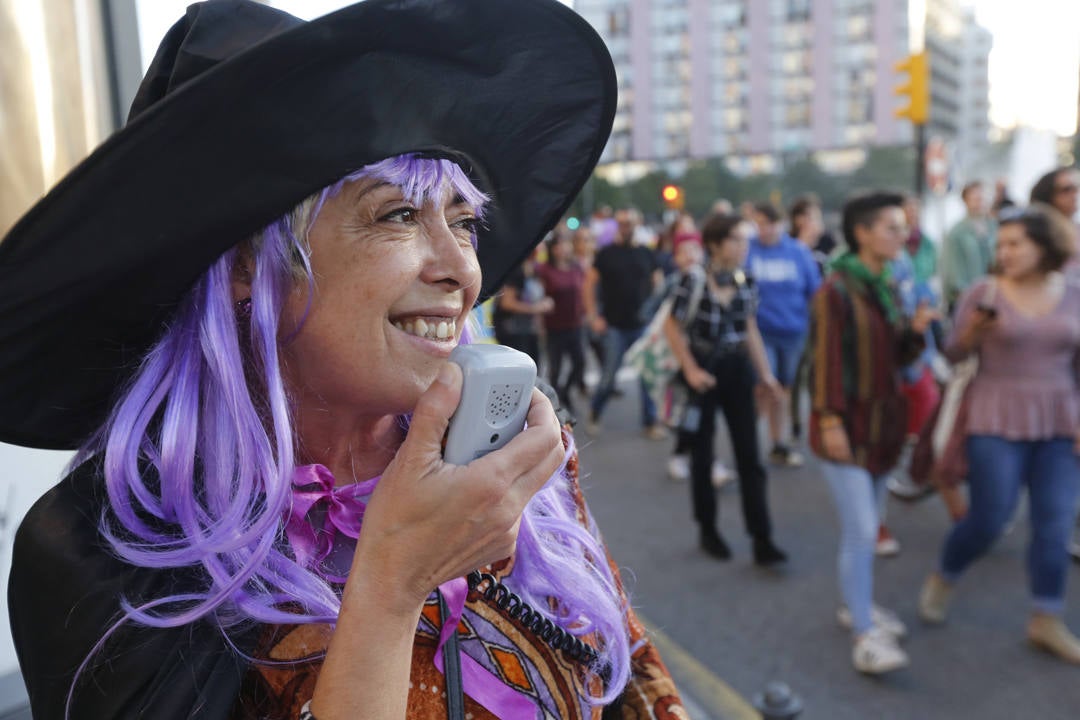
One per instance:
(1034, 65)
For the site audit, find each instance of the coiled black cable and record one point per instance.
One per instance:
(539, 625)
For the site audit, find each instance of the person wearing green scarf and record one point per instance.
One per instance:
(879, 283)
(859, 342)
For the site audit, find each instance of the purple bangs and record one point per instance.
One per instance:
(199, 454)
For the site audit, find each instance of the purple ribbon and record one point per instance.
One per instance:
(343, 513)
(479, 683)
(343, 508)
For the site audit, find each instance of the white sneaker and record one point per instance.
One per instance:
(721, 474)
(678, 468)
(904, 488)
(876, 653)
(883, 619)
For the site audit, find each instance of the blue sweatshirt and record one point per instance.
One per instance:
(787, 278)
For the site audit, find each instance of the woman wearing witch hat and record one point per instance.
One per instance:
(220, 308)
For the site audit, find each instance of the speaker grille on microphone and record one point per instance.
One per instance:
(502, 399)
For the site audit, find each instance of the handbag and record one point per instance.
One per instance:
(651, 355)
(940, 455)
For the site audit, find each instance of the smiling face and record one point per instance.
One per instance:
(394, 282)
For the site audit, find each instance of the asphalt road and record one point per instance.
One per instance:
(734, 627)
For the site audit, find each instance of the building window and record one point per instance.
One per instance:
(619, 21)
(797, 115)
(798, 10)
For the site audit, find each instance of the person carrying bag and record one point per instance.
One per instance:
(716, 343)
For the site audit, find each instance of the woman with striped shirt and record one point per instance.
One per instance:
(860, 341)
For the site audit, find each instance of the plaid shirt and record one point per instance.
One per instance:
(716, 328)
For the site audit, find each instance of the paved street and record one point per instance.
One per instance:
(748, 626)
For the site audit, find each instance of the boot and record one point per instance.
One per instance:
(767, 554)
(713, 545)
(1049, 633)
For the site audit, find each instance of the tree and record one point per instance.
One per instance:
(806, 176)
(886, 168)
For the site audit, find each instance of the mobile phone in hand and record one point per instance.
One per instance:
(496, 392)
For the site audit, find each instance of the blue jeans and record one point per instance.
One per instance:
(784, 353)
(997, 469)
(616, 342)
(857, 496)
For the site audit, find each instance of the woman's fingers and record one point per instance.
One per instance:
(532, 456)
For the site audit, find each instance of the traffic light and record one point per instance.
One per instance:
(673, 197)
(916, 89)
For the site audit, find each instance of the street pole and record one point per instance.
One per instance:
(920, 159)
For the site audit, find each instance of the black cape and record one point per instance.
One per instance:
(64, 594)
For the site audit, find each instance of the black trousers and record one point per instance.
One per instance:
(734, 396)
(562, 344)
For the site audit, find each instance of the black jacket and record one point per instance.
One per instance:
(64, 594)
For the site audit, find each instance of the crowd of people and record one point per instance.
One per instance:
(254, 369)
(766, 308)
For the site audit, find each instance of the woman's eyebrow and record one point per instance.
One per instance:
(460, 199)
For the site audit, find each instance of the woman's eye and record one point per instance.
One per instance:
(401, 215)
(468, 224)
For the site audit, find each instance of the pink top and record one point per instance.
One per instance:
(1026, 388)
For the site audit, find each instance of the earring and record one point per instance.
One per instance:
(243, 309)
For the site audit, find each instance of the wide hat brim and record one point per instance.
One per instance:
(521, 93)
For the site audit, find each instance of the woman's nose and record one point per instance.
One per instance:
(451, 259)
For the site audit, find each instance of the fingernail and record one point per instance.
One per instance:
(446, 375)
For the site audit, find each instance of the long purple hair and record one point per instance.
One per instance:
(199, 456)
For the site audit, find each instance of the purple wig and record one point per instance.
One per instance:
(199, 456)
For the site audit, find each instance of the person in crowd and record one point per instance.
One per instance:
(519, 307)
(1023, 427)
(254, 364)
(857, 418)
(689, 254)
(920, 389)
(584, 247)
(915, 272)
(920, 248)
(603, 226)
(808, 227)
(683, 225)
(564, 283)
(624, 275)
(721, 206)
(1060, 189)
(1002, 201)
(786, 277)
(968, 249)
(584, 256)
(720, 352)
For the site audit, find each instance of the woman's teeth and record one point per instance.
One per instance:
(429, 329)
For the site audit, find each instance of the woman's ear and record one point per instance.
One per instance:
(242, 273)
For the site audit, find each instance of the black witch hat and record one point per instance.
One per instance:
(246, 111)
